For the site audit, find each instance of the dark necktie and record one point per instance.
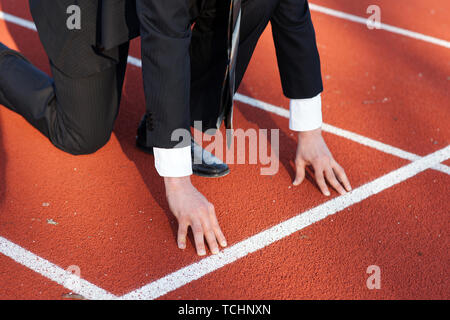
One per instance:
(229, 85)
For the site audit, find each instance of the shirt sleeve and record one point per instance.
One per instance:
(305, 114)
(175, 163)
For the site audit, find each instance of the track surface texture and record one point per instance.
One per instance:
(386, 106)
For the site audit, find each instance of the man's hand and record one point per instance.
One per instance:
(192, 209)
(312, 150)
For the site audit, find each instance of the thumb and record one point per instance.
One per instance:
(300, 172)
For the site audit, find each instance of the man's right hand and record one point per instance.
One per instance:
(193, 210)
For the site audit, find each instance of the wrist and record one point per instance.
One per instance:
(302, 135)
(174, 184)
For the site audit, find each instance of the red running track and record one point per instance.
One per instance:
(113, 221)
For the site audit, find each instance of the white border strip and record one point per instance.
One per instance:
(265, 238)
(383, 26)
(18, 21)
(52, 271)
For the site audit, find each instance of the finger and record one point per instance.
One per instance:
(209, 234)
(333, 181)
(182, 234)
(216, 227)
(341, 175)
(318, 172)
(199, 238)
(212, 242)
(300, 172)
(219, 235)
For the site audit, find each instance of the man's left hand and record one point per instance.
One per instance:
(312, 150)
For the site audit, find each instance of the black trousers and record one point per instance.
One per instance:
(76, 114)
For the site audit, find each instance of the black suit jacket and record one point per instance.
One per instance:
(79, 53)
(165, 26)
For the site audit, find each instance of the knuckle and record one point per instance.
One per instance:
(210, 235)
(326, 163)
(207, 228)
(210, 207)
(199, 243)
(319, 176)
(332, 178)
(318, 166)
(183, 220)
(196, 228)
(215, 225)
(182, 229)
(298, 163)
(316, 160)
(198, 235)
(203, 209)
(325, 159)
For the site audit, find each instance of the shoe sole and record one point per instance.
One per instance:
(216, 175)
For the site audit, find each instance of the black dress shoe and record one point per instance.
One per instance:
(204, 164)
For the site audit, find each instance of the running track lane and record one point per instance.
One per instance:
(407, 237)
(265, 120)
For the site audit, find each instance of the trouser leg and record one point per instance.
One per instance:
(208, 62)
(209, 53)
(255, 18)
(22, 85)
(76, 114)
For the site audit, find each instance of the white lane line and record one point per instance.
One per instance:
(340, 132)
(314, 7)
(325, 127)
(386, 27)
(265, 238)
(18, 21)
(135, 61)
(52, 271)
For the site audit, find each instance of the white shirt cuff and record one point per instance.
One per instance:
(305, 114)
(175, 163)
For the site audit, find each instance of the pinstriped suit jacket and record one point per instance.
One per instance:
(165, 29)
(104, 25)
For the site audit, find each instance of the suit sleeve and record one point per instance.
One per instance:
(296, 48)
(165, 40)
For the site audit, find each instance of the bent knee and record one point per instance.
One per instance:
(84, 144)
(91, 147)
